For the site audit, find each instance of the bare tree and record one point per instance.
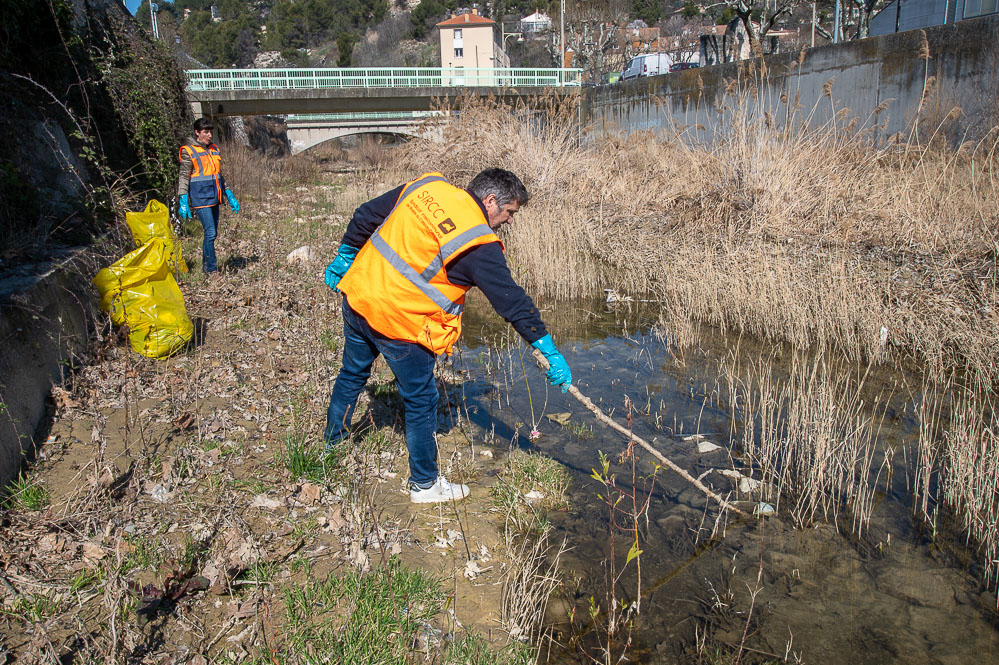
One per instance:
(590, 31)
(680, 37)
(744, 9)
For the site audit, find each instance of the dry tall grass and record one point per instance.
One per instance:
(810, 236)
(816, 235)
(958, 465)
(809, 436)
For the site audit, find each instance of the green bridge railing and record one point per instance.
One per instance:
(205, 80)
(363, 116)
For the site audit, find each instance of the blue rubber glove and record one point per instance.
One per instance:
(558, 369)
(340, 265)
(184, 208)
(233, 203)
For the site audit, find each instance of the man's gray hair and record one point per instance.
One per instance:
(505, 185)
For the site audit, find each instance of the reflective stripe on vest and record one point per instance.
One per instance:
(204, 167)
(415, 278)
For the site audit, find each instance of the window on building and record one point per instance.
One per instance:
(457, 33)
(459, 53)
(979, 8)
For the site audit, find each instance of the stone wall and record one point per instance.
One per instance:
(885, 74)
(48, 316)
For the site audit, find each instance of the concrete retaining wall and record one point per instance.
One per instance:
(860, 75)
(47, 316)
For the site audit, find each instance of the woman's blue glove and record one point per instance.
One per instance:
(184, 208)
(558, 369)
(340, 265)
(233, 203)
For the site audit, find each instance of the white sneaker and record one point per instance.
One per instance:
(439, 492)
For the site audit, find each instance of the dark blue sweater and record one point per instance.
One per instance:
(483, 266)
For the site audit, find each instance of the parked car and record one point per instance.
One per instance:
(647, 64)
(680, 66)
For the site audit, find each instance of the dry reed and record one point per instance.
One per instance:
(957, 465)
(808, 435)
(813, 236)
(816, 233)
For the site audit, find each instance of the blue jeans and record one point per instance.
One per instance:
(413, 366)
(209, 218)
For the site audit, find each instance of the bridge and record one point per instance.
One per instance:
(309, 130)
(328, 103)
(223, 92)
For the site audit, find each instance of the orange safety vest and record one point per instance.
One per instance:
(206, 185)
(398, 282)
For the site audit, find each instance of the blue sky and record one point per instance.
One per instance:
(132, 5)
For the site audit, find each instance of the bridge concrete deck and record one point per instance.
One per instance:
(340, 100)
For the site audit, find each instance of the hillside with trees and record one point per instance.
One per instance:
(367, 33)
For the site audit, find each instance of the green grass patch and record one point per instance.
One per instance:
(302, 459)
(525, 473)
(31, 608)
(85, 579)
(142, 556)
(251, 485)
(330, 340)
(391, 615)
(260, 572)
(358, 618)
(25, 494)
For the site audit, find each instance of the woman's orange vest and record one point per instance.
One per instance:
(398, 282)
(206, 185)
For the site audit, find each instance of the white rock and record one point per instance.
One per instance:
(763, 508)
(159, 493)
(472, 570)
(748, 485)
(264, 501)
(534, 495)
(707, 447)
(303, 254)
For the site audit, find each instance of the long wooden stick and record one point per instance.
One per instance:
(602, 417)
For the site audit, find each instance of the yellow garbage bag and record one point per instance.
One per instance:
(154, 222)
(139, 290)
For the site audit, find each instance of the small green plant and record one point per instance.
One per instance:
(305, 528)
(532, 477)
(85, 579)
(25, 494)
(609, 635)
(330, 340)
(31, 607)
(141, 555)
(301, 563)
(260, 572)
(192, 554)
(302, 460)
(580, 431)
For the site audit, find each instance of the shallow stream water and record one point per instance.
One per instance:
(717, 591)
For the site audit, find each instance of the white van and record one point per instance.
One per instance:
(647, 64)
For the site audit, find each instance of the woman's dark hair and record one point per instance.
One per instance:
(505, 185)
(203, 123)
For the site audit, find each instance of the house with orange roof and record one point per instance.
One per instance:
(471, 42)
